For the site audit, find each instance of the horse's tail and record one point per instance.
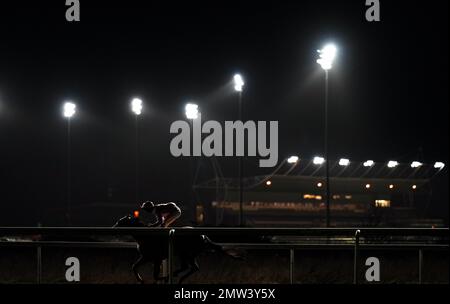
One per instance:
(211, 245)
(232, 252)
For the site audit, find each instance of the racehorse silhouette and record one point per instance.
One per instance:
(186, 248)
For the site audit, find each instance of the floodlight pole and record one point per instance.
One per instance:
(241, 173)
(327, 163)
(137, 158)
(69, 175)
(192, 174)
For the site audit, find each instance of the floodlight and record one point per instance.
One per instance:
(191, 111)
(392, 164)
(69, 109)
(136, 106)
(292, 160)
(439, 165)
(327, 55)
(344, 162)
(318, 160)
(368, 163)
(238, 83)
(416, 164)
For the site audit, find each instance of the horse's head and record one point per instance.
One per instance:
(129, 221)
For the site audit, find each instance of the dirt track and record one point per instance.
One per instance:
(18, 265)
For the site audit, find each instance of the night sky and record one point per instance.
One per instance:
(388, 90)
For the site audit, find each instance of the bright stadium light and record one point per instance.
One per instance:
(391, 186)
(318, 160)
(269, 183)
(327, 56)
(439, 165)
(238, 83)
(416, 164)
(292, 160)
(191, 111)
(414, 187)
(136, 106)
(319, 185)
(368, 163)
(368, 186)
(69, 109)
(344, 162)
(392, 164)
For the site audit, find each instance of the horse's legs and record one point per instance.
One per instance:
(194, 268)
(135, 267)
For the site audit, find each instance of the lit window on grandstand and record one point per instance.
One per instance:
(382, 203)
(312, 196)
(349, 197)
(336, 197)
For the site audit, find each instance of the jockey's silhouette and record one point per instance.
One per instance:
(166, 214)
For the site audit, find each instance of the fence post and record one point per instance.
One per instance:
(39, 264)
(291, 265)
(170, 255)
(356, 257)
(420, 265)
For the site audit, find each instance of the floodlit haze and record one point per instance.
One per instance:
(388, 91)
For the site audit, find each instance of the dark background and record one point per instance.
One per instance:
(388, 90)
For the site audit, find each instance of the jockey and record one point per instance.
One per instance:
(165, 213)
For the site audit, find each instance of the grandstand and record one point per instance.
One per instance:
(364, 194)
